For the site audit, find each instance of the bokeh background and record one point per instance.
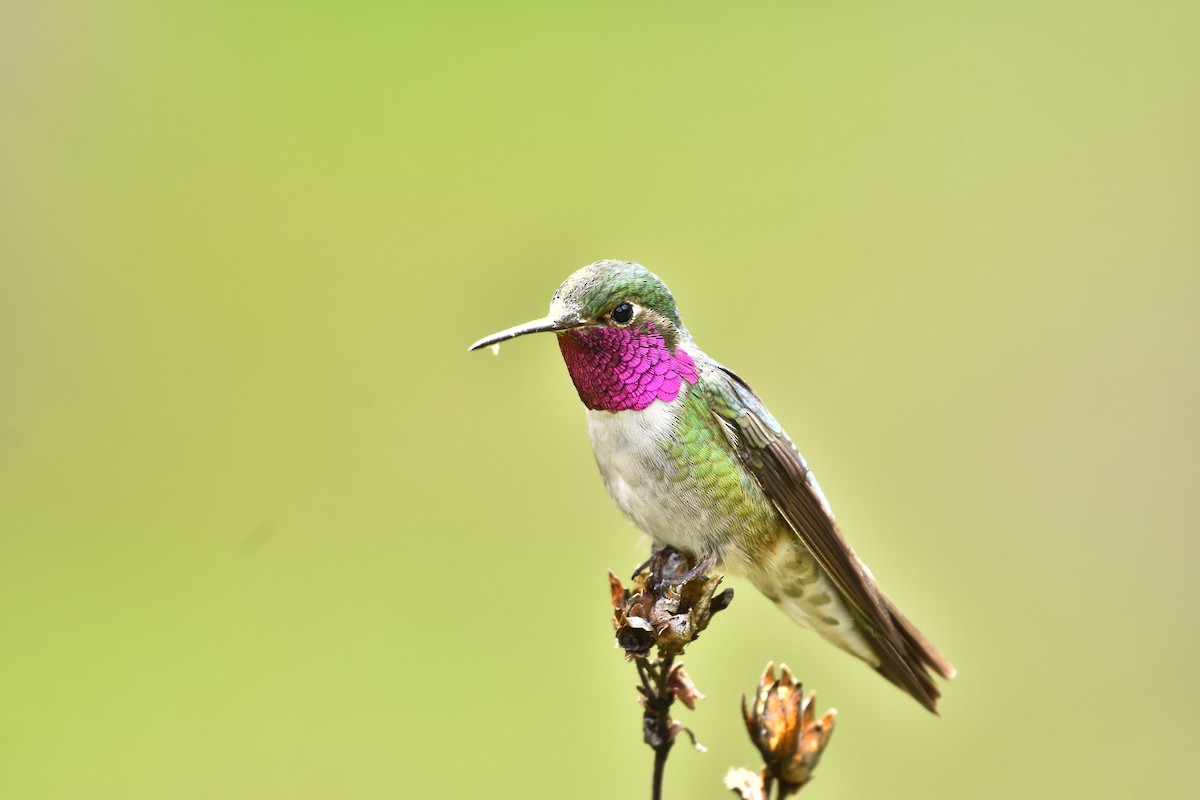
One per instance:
(267, 530)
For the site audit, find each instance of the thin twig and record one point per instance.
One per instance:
(657, 717)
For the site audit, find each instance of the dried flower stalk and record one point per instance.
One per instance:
(668, 604)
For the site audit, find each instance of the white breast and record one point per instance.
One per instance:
(637, 475)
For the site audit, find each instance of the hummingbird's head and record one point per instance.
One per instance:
(620, 335)
(620, 295)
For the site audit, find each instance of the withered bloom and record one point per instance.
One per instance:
(745, 784)
(680, 685)
(667, 605)
(783, 727)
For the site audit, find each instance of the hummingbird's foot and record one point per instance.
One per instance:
(670, 562)
(665, 564)
(705, 566)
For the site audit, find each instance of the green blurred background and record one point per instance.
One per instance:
(269, 531)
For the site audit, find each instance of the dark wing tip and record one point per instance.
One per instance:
(907, 661)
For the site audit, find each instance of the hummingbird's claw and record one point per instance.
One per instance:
(668, 577)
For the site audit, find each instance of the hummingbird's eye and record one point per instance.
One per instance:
(622, 313)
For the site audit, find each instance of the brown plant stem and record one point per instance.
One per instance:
(656, 719)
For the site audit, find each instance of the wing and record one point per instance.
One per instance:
(905, 655)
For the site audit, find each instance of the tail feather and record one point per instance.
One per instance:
(907, 657)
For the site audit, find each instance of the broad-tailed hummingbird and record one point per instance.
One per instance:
(691, 455)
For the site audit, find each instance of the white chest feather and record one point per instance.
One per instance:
(628, 451)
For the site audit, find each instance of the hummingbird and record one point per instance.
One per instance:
(690, 454)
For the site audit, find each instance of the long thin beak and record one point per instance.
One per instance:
(536, 326)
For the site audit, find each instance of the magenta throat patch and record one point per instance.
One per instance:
(622, 369)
